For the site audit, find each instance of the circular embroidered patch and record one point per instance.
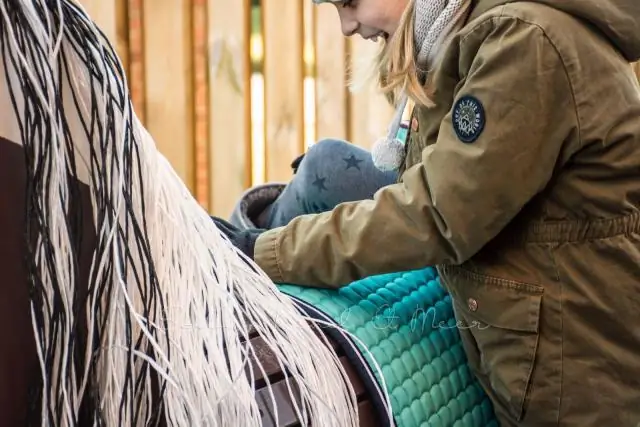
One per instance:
(468, 118)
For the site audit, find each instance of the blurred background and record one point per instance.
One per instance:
(233, 90)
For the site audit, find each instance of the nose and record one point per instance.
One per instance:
(348, 25)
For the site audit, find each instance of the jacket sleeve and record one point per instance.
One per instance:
(462, 194)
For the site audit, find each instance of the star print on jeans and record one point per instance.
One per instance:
(319, 182)
(352, 162)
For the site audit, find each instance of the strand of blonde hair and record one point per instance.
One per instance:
(395, 67)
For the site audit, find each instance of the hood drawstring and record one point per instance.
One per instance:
(433, 19)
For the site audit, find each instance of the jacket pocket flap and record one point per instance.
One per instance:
(496, 302)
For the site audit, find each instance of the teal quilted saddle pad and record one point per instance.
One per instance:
(406, 322)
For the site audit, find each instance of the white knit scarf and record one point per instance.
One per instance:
(433, 23)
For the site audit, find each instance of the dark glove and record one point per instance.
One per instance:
(296, 163)
(244, 240)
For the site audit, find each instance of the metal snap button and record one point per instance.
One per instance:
(472, 304)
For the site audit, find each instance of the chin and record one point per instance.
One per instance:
(381, 36)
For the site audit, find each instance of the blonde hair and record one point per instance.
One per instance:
(396, 63)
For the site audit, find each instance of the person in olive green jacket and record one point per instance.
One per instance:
(520, 183)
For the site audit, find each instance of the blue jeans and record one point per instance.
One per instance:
(331, 172)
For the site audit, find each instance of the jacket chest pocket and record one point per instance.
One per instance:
(499, 324)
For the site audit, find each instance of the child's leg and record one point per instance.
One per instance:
(332, 172)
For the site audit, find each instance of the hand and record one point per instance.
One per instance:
(244, 240)
(296, 163)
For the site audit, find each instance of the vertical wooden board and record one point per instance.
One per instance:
(309, 94)
(370, 113)
(168, 82)
(199, 18)
(229, 102)
(332, 115)
(121, 41)
(136, 62)
(283, 71)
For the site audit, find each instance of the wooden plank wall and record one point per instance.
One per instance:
(284, 85)
(231, 94)
(229, 68)
(227, 119)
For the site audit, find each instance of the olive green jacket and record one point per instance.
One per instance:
(522, 186)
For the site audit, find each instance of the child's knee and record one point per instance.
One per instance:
(325, 154)
(326, 149)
